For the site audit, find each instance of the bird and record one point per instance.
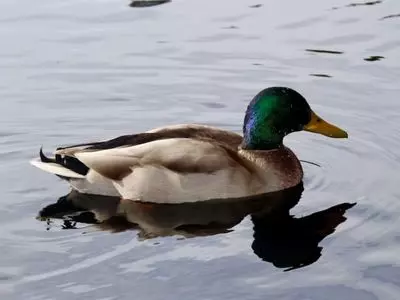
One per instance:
(194, 162)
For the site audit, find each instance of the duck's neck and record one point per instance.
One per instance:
(258, 136)
(256, 144)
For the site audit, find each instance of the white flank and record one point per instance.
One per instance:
(94, 184)
(151, 179)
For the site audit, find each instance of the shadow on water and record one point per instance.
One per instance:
(324, 51)
(147, 3)
(278, 237)
(374, 58)
(367, 3)
(256, 5)
(358, 4)
(390, 16)
(321, 75)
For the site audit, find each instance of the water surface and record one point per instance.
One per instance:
(81, 70)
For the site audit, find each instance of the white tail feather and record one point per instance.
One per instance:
(55, 169)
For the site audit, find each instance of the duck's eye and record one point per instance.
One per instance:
(318, 120)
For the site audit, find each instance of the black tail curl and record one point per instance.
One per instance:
(68, 162)
(44, 158)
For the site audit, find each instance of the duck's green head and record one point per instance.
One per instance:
(277, 111)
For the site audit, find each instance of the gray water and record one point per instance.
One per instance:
(84, 70)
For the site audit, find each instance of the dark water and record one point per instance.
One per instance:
(81, 70)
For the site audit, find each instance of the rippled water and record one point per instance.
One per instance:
(81, 70)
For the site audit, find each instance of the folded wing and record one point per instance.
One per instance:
(174, 170)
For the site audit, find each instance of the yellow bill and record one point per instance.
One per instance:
(318, 125)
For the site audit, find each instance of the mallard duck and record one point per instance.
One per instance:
(190, 163)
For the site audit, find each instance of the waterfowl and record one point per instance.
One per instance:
(190, 163)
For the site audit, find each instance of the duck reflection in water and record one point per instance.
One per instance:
(278, 237)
